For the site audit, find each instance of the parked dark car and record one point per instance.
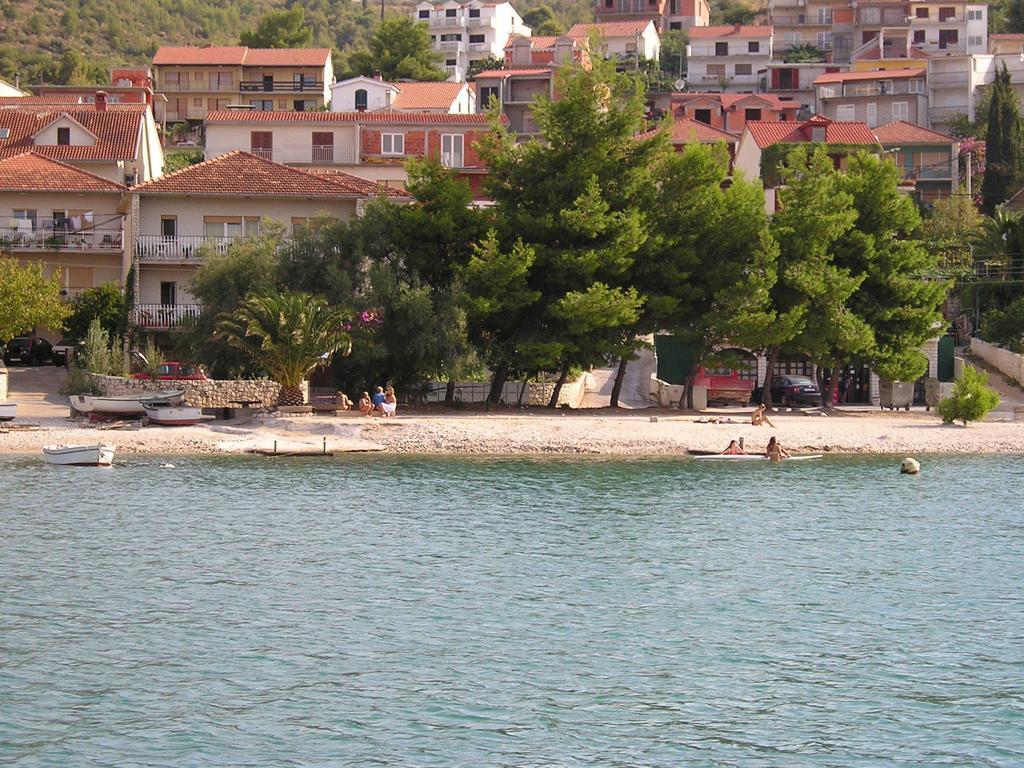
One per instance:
(26, 350)
(62, 351)
(795, 390)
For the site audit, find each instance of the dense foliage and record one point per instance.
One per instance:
(28, 299)
(1004, 144)
(972, 398)
(105, 304)
(1005, 326)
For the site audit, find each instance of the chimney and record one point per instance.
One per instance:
(101, 101)
(17, 80)
(378, 77)
(738, 26)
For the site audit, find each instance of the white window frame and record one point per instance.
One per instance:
(915, 85)
(455, 155)
(974, 41)
(974, 15)
(872, 115)
(849, 109)
(904, 108)
(392, 143)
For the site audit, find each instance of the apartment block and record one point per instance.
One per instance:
(827, 25)
(195, 81)
(929, 161)
(465, 32)
(731, 112)
(729, 58)
(874, 98)
(621, 40)
(666, 14)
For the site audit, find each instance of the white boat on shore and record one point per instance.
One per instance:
(79, 455)
(8, 411)
(125, 405)
(173, 415)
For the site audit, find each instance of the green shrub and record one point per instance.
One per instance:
(1005, 326)
(98, 355)
(972, 398)
(80, 383)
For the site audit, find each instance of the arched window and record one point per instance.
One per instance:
(361, 99)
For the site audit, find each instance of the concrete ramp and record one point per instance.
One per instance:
(635, 387)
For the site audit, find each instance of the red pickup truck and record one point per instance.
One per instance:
(724, 385)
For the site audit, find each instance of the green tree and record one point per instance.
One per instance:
(1005, 326)
(733, 12)
(575, 201)
(482, 65)
(288, 335)
(221, 285)
(972, 398)
(802, 53)
(1003, 139)
(285, 28)
(175, 161)
(399, 48)
(542, 21)
(106, 304)
(811, 292)
(952, 226)
(28, 299)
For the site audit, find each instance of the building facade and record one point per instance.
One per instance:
(466, 32)
(928, 161)
(195, 81)
(874, 98)
(731, 58)
(667, 15)
(621, 40)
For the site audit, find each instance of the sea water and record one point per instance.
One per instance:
(382, 611)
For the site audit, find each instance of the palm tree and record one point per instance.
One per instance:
(289, 336)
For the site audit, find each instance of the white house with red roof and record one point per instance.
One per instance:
(371, 145)
(464, 32)
(666, 14)
(9, 90)
(928, 160)
(627, 39)
(204, 208)
(730, 112)
(758, 136)
(118, 142)
(728, 58)
(879, 97)
(196, 80)
(370, 94)
(69, 219)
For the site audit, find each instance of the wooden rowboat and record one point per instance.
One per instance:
(79, 455)
(173, 415)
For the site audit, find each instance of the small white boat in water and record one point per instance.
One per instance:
(8, 411)
(80, 455)
(173, 415)
(125, 405)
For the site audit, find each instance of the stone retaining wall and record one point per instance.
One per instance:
(1003, 360)
(537, 393)
(213, 393)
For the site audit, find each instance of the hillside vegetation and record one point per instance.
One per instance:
(76, 41)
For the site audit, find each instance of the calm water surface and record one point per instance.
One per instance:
(459, 612)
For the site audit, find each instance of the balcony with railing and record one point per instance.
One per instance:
(451, 70)
(305, 85)
(480, 21)
(449, 45)
(179, 249)
(872, 89)
(440, 20)
(164, 316)
(59, 235)
(298, 154)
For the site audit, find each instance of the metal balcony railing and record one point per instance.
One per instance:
(282, 86)
(184, 248)
(164, 316)
(448, 45)
(50, 235)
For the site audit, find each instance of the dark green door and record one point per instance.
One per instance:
(946, 352)
(675, 359)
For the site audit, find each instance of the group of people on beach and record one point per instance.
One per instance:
(382, 403)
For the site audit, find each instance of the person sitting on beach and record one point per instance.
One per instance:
(365, 404)
(733, 449)
(775, 451)
(390, 404)
(759, 417)
(342, 402)
(378, 401)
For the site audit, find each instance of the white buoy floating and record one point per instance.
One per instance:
(910, 466)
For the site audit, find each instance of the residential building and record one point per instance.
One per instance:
(467, 32)
(515, 89)
(687, 131)
(874, 97)
(622, 40)
(928, 160)
(666, 14)
(545, 52)
(729, 58)
(827, 25)
(941, 26)
(128, 85)
(795, 82)
(195, 81)
(758, 136)
(68, 219)
(367, 94)
(1008, 43)
(370, 145)
(203, 208)
(730, 112)
(10, 90)
(117, 142)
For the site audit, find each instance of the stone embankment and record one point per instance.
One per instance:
(212, 393)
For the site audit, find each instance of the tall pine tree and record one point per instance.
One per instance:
(1003, 150)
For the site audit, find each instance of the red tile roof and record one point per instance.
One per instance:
(536, 42)
(501, 74)
(729, 30)
(686, 130)
(1010, 36)
(609, 29)
(116, 130)
(730, 101)
(902, 132)
(767, 133)
(35, 101)
(245, 117)
(245, 175)
(881, 74)
(437, 96)
(31, 172)
(240, 55)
